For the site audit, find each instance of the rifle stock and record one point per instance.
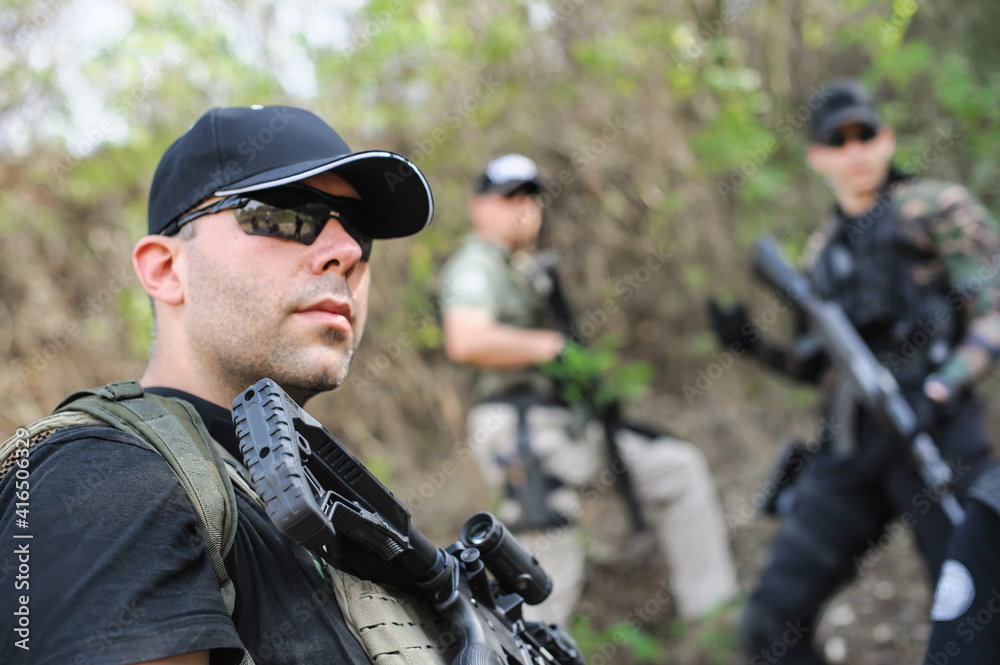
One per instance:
(874, 385)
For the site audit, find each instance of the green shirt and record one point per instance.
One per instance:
(486, 276)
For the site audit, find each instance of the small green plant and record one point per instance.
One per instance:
(595, 378)
(608, 641)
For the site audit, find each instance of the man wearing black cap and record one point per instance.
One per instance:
(912, 262)
(261, 222)
(499, 319)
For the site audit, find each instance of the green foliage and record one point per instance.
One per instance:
(803, 397)
(135, 311)
(738, 144)
(595, 378)
(732, 137)
(381, 466)
(704, 344)
(695, 276)
(645, 647)
(813, 34)
(719, 635)
(899, 65)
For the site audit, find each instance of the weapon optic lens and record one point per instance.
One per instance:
(512, 564)
(477, 531)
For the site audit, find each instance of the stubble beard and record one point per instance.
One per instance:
(242, 356)
(302, 379)
(241, 337)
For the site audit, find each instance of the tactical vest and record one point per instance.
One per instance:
(872, 268)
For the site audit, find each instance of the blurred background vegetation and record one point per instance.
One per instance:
(676, 132)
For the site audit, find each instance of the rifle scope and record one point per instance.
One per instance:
(512, 564)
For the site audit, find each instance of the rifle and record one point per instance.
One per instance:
(608, 414)
(315, 492)
(873, 385)
(527, 480)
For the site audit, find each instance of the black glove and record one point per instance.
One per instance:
(732, 325)
(930, 412)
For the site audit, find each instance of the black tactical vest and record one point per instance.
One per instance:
(869, 268)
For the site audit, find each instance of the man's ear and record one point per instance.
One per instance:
(815, 157)
(156, 262)
(887, 138)
(472, 206)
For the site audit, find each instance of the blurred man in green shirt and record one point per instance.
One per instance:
(498, 318)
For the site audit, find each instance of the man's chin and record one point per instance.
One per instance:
(864, 185)
(309, 370)
(302, 391)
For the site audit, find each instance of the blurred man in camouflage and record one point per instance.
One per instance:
(914, 264)
(499, 318)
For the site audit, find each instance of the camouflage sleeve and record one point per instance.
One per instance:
(967, 239)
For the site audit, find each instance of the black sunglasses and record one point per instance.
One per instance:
(864, 134)
(292, 212)
(527, 189)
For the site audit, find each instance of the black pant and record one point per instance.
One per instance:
(837, 527)
(971, 580)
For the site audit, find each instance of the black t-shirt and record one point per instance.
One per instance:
(115, 571)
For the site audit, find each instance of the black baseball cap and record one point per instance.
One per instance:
(506, 174)
(245, 149)
(843, 102)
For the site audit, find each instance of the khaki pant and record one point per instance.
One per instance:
(671, 479)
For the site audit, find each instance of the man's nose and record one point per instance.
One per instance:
(334, 248)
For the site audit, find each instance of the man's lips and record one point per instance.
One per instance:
(333, 313)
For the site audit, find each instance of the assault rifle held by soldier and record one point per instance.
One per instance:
(607, 412)
(873, 385)
(315, 491)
